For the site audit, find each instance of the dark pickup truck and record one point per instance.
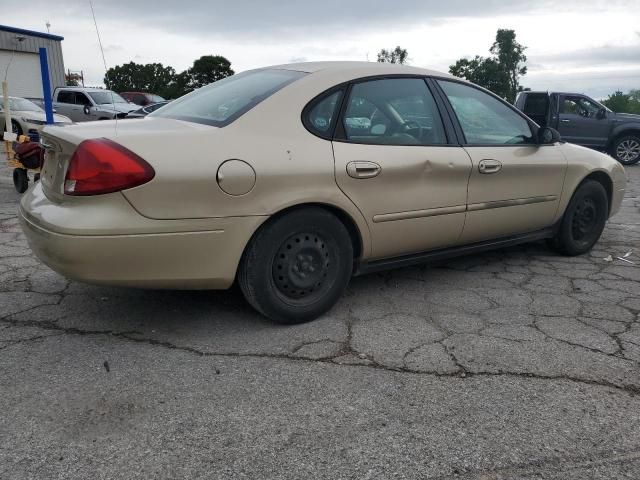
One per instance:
(583, 121)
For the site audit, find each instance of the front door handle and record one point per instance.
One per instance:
(361, 169)
(489, 166)
(564, 120)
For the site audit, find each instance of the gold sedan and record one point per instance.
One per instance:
(293, 178)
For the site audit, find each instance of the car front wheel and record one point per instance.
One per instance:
(627, 150)
(297, 266)
(583, 220)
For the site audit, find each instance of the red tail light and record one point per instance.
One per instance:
(102, 166)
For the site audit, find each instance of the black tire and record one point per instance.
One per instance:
(297, 266)
(626, 149)
(17, 129)
(583, 220)
(20, 180)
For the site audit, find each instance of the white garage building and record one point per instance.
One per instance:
(24, 76)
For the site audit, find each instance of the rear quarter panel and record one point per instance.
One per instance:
(292, 166)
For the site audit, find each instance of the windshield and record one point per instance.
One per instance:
(23, 105)
(103, 98)
(156, 98)
(221, 102)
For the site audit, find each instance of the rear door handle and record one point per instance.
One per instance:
(489, 166)
(361, 169)
(564, 120)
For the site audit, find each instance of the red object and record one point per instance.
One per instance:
(30, 154)
(103, 166)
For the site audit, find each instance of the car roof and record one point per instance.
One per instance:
(549, 92)
(360, 68)
(84, 89)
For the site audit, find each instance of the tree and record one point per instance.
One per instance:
(486, 72)
(398, 55)
(499, 73)
(618, 102)
(510, 56)
(150, 77)
(208, 69)
(164, 81)
(624, 102)
(178, 86)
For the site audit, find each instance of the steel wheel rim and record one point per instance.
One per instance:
(628, 150)
(302, 267)
(585, 219)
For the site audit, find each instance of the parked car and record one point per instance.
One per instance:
(583, 121)
(82, 104)
(144, 111)
(263, 177)
(141, 98)
(27, 118)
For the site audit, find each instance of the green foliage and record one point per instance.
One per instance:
(208, 69)
(500, 72)
(624, 102)
(164, 81)
(485, 72)
(510, 57)
(177, 87)
(397, 55)
(136, 77)
(70, 82)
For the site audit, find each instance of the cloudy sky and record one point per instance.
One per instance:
(592, 46)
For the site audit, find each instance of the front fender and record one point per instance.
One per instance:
(625, 128)
(583, 162)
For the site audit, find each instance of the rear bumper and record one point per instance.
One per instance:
(195, 259)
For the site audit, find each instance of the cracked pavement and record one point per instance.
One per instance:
(514, 364)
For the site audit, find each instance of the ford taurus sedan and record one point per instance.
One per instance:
(291, 179)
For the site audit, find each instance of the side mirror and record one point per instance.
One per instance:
(602, 113)
(87, 110)
(548, 136)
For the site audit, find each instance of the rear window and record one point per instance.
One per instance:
(222, 102)
(536, 104)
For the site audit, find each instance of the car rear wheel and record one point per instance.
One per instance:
(627, 150)
(296, 267)
(17, 129)
(20, 180)
(583, 220)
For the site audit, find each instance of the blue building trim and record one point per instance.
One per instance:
(31, 33)
(46, 85)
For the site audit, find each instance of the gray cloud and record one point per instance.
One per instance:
(250, 19)
(604, 55)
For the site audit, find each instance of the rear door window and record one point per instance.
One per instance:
(398, 111)
(65, 96)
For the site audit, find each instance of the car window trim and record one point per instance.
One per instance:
(340, 133)
(455, 130)
(532, 125)
(342, 87)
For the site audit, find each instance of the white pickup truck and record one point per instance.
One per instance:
(82, 104)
